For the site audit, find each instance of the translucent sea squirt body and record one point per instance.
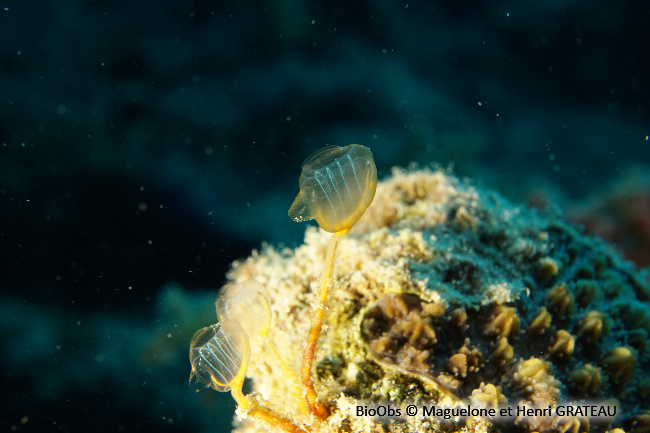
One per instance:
(219, 355)
(337, 184)
(246, 303)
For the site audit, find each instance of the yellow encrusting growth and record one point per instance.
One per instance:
(447, 295)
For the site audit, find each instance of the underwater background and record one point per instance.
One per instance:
(146, 145)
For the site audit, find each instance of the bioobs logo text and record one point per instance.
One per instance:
(379, 411)
(597, 412)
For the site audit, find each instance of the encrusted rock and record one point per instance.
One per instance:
(435, 276)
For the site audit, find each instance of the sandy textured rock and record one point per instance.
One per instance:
(497, 302)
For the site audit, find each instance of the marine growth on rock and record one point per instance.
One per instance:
(447, 294)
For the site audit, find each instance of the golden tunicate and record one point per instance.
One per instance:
(337, 185)
(219, 355)
(246, 303)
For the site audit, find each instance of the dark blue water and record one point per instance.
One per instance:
(145, 145)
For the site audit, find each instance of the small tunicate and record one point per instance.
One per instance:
(337, 184)
(246, 303)
(219, 355)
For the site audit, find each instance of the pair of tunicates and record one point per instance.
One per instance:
(337, 185)
(220, 353)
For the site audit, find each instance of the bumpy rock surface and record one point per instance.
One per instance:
(447, 294)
